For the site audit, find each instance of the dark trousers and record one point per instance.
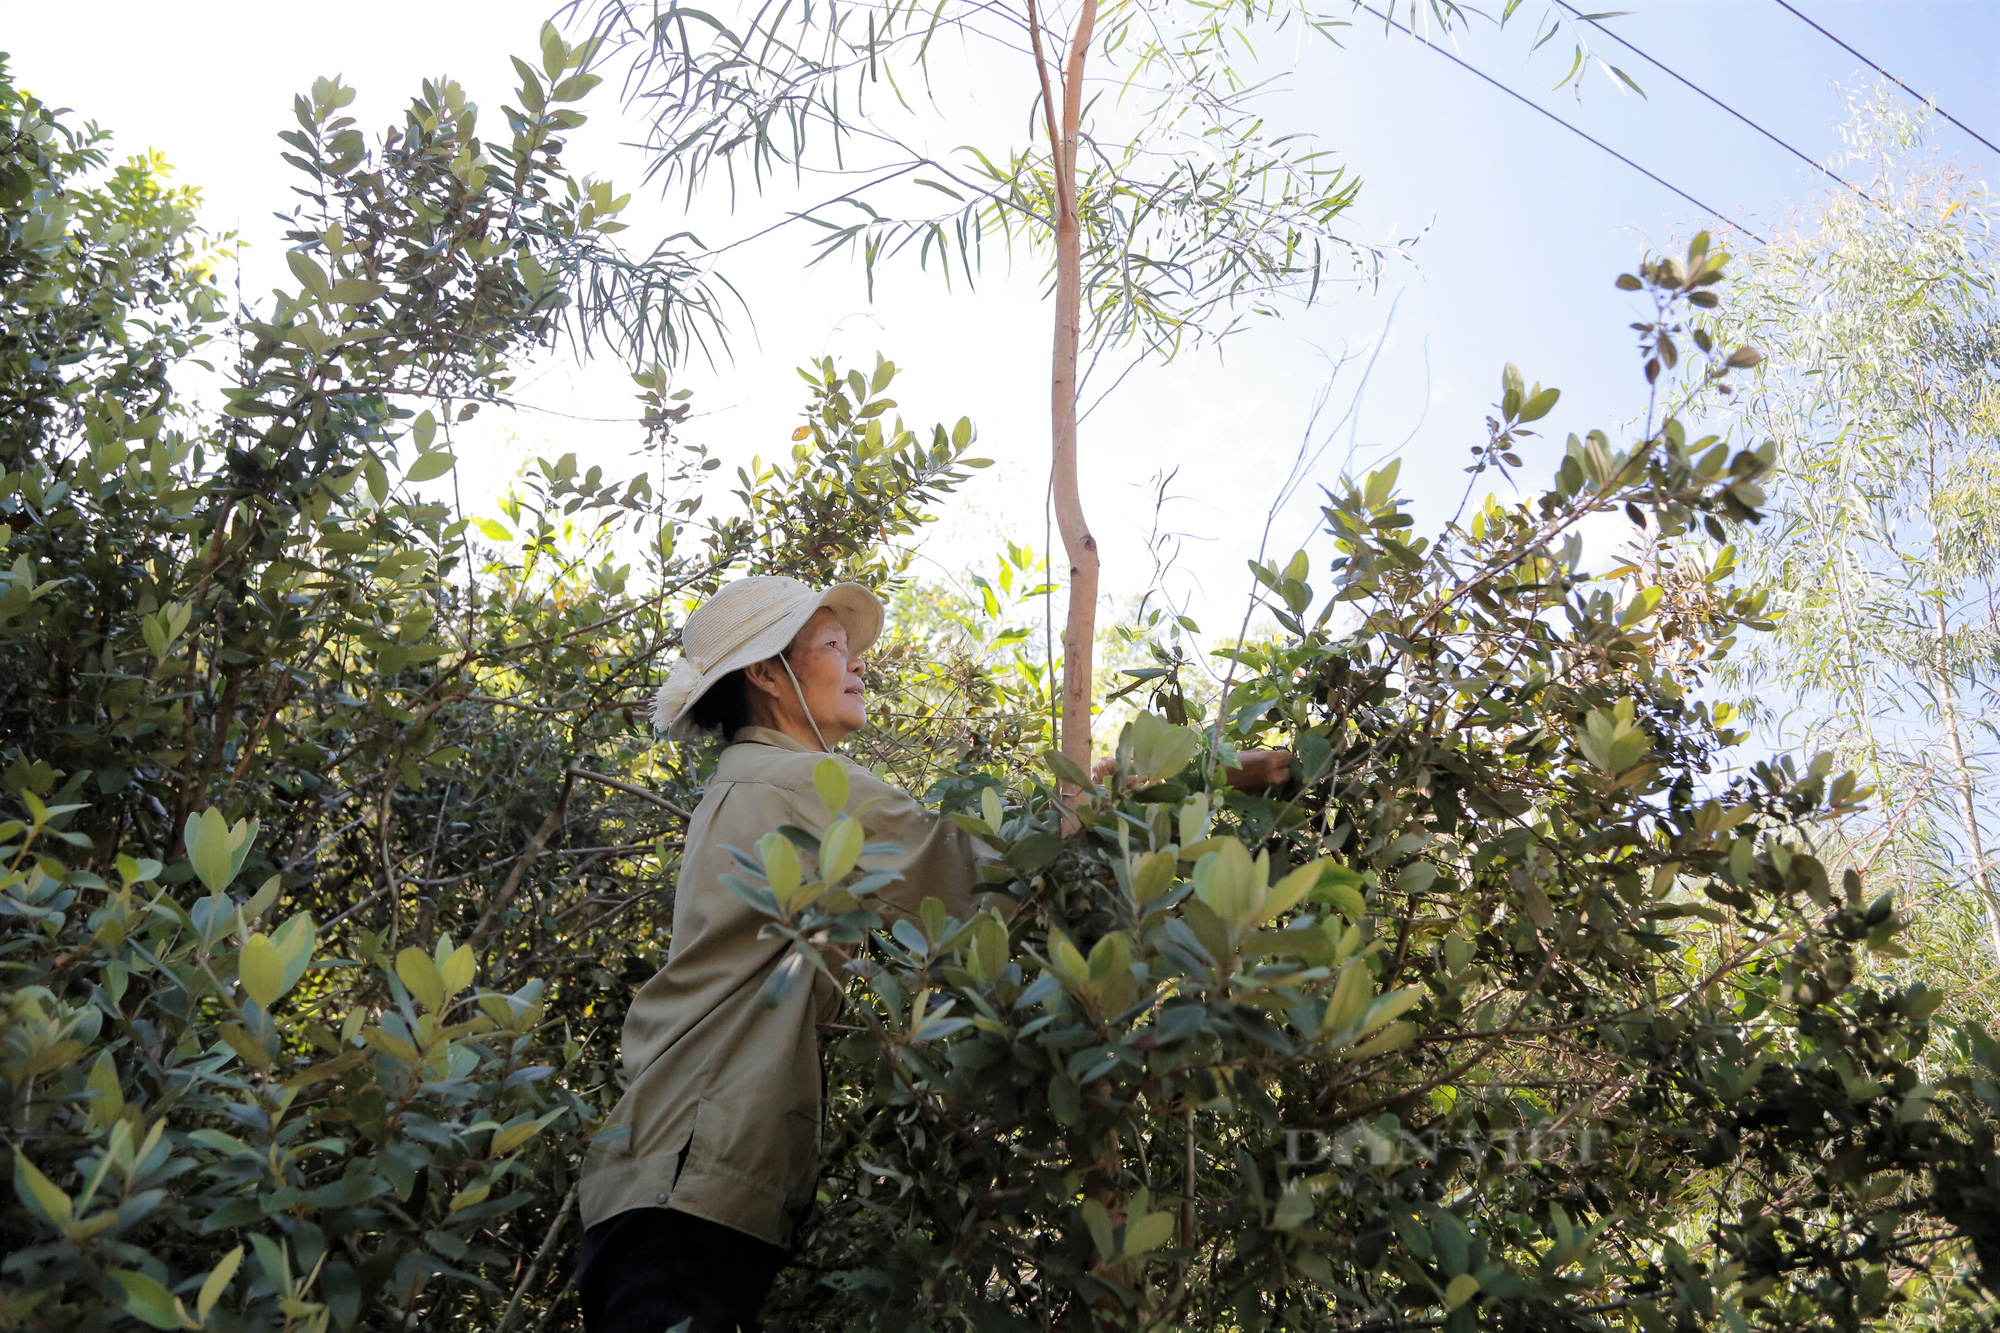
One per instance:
(652, 1269)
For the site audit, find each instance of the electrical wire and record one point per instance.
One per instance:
(1815, 165)
(1927, 101)
(1598, 143)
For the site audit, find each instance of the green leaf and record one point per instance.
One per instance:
(261, 970)
(147, 1300)
(513, 1136)
(38, 1192)
(1147, 1232)
(1064, 768)
(1539, 406)
(1341, 887)
(1152, 875)
(390, 1044)
(1295, 1208)
(309, 273)
(294, 942)
(109, 1103)
(469, 1197)
(1381, 484)
(830, 781)
(358, 291)
(1392, 1038)
(421, 975)
(264, 899)
(1389, 1008)
(154, 631)
(840, 848)
(217, 848)
(217, 1282)
(1288, 891)
(1643, 604)
(1453, 1241)
(1035, 851)
(1228, 881)
(273, 1256)
(1068, 961)
(1460, 1290)
(781, 867)
(251, 1050)
(1155, 749)
(458, 968)
(1098, 1219)
(1193, 819)
(1351, 994)
(429, 467)
(555, 55)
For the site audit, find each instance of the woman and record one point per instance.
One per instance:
(690, 1197)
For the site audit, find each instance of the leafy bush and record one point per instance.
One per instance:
(341, 834)
(1512, 1012)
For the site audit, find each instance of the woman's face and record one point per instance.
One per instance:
(829, 677)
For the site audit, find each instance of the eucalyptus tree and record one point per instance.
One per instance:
(1148, 175)
(1883, 332)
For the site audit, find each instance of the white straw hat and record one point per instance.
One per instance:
(748, 621)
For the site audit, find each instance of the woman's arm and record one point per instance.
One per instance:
(1254, 770)
(1258, 769)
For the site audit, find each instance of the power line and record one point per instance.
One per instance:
(1528, 102)
(1927, 101)
(1817, 166)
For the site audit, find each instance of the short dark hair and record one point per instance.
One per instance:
(724, 708)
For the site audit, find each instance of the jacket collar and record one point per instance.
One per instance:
(769, 736)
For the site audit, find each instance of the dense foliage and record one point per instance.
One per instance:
(342, 835)
(342, 843)
(1513, 1011)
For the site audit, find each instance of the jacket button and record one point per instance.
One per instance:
(661, 1199)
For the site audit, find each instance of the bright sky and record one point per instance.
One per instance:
(1524, 224)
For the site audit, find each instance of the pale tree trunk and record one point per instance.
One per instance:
(1966, 780)
(1080, 632)
(1969, 807)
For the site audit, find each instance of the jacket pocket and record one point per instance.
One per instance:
(802, 1137)
(775, 1151)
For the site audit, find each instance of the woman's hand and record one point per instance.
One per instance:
(1253, 771)
(1258, 769)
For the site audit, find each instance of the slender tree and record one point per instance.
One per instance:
(1884, 337)
(1168, 210)
(1078, 545)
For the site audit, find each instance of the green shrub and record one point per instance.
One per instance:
(1587, 1032)
(344, 838)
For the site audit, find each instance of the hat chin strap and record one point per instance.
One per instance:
(810, 720)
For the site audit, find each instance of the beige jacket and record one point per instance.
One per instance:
(708, 1068)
